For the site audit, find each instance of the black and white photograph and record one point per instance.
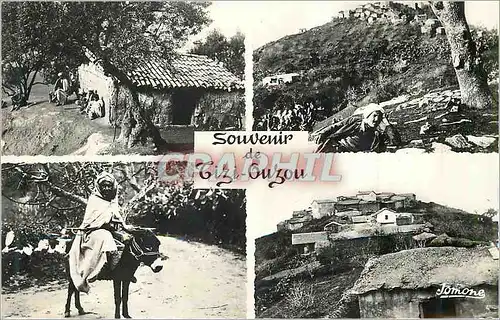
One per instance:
(388, 76)
(117, 240)
(382, 243)
(86, 78)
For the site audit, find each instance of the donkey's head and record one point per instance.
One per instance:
(145, 247)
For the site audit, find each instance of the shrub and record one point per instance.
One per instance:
(300, 296)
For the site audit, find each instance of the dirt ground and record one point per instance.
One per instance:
(42, 128)
(197, 281)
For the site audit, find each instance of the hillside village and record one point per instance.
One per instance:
(332, 259)
(381, 12)
(351, 217)
(394, 54)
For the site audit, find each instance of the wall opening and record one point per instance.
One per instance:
(438, 308)
(184, 103)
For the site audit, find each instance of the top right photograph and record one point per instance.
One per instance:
(417, 77)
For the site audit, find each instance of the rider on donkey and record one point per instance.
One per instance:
(95, 245)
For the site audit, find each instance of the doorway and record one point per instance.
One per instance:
(438, 308)
(184, 102)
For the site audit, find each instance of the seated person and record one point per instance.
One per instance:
(95, 245)
(95, 107)
(369, 131)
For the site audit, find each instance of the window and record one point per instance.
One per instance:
(438, 308)
(274, 80)
(386, 217)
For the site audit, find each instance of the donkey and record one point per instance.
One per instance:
(143, 248)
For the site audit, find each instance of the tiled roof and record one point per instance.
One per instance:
(324, 201)
(348, 202)
(184, 70)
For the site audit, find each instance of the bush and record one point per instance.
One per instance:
(21, 271)
(300, 296)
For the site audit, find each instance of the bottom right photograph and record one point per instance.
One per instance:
(395, 248)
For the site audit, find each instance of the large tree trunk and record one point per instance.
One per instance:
(470, 73)
(135, 125)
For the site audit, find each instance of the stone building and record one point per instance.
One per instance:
(322, 208)
(406, 284)
(183, 91)
(310, 241)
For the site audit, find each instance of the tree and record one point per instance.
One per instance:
(490, 213)
(119, 34)
(122, 34)
(33, 39)
(230, 52)
(468, 67)
(58, 192)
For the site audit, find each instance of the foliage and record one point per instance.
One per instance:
(53, 35)
(487, 50)
(300, 295)
(57, 193)
(357, 63)
(490, 213)
(33, 38)
(228, 51)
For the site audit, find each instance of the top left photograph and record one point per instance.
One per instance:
(111, 78)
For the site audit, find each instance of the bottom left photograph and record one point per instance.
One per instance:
(119, 240)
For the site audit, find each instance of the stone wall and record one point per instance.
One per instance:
(91, 77)
(227, 108)
(406, 303)
(322, 209)
(309, 237)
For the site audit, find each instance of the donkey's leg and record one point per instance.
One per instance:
(118, 298)
(68, 299)
(125, 291)
(78, 305)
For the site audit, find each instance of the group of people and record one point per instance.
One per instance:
(91, 104)
(296, 118)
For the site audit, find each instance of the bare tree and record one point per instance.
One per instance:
(470, 73)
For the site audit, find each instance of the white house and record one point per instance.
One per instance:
(322, 208)
(367, 195)
(280, 79)
(386, 216)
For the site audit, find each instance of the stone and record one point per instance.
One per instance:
(438, 99)
(431, 22)
(440, 147)
(423, 103)
(454, 109)
(458, 141)
(417, 143)
(483, 142)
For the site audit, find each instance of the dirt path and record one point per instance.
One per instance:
(197, 281)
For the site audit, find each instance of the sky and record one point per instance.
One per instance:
(463, 181)
(266, 21)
